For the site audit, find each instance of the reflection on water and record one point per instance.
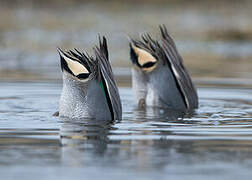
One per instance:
(80, 136)
(213, 142)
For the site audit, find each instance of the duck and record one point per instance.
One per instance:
(159, 77)
(89, 88)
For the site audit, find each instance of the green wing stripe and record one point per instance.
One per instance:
(102, 87)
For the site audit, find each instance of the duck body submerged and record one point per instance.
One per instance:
(159, 78)
(89, 89)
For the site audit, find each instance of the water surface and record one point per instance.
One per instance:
(213, 143)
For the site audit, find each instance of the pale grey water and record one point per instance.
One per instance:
(214, 143)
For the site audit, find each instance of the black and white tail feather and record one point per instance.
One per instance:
(82, 58)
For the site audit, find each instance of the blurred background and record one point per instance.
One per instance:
(213, 36)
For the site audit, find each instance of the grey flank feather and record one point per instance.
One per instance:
(101, 53)
(182, 76)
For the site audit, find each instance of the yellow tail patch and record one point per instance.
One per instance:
(143, 56)
(76, 67)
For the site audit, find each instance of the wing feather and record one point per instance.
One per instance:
(180, 72)
(101, 53)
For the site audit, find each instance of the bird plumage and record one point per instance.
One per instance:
(164, 82)
(89, 88)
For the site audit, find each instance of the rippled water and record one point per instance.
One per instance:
(213, 143)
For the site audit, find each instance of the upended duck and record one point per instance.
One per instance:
(159, 78)
(89, 88)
